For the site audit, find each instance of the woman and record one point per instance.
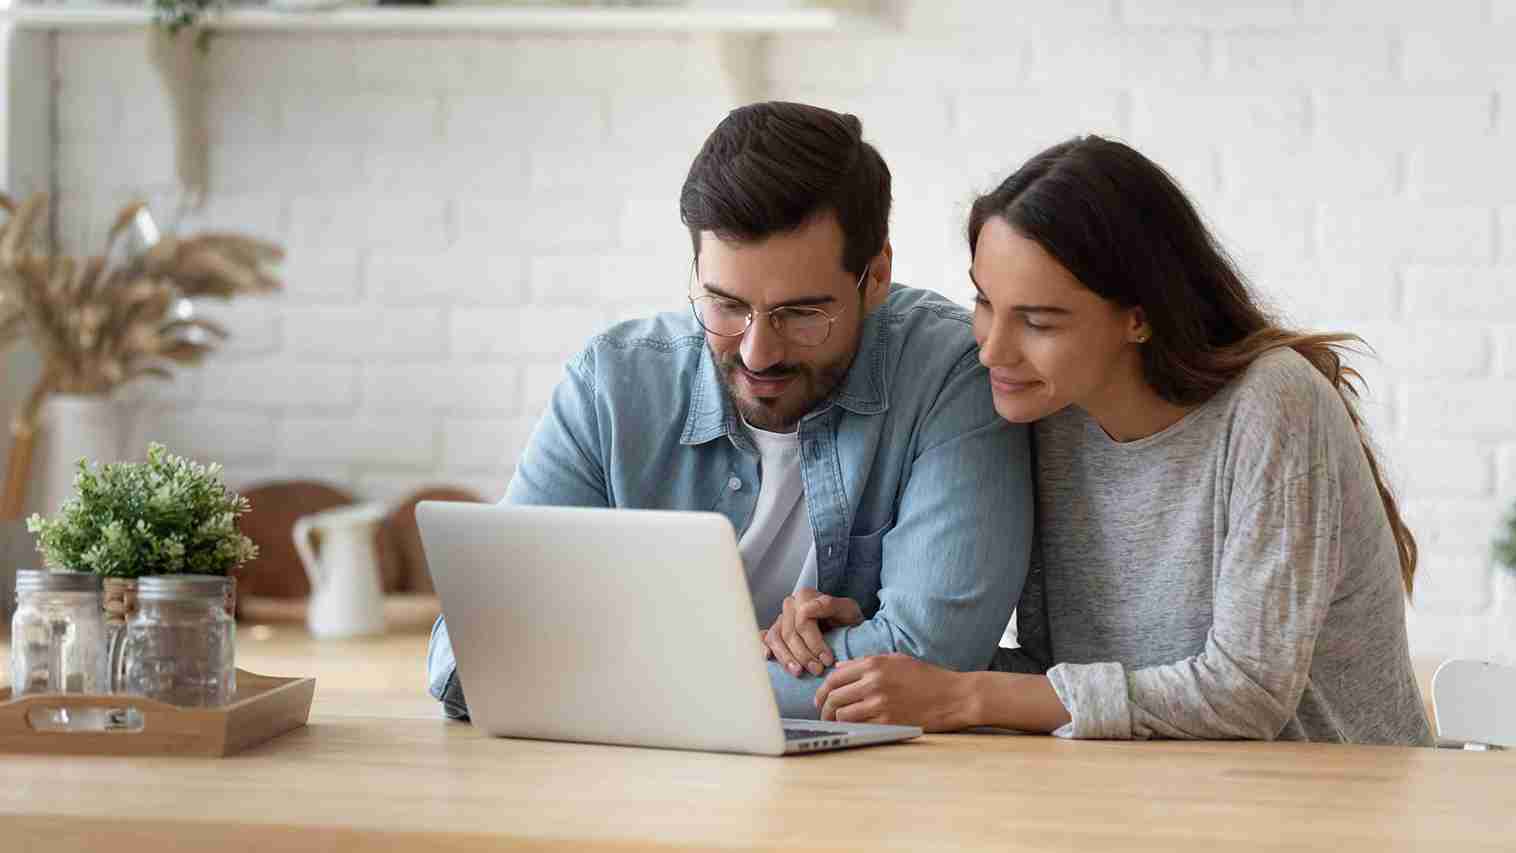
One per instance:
(1218, 555)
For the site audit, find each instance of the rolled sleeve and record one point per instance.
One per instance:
(1095, 695)
(442, 673)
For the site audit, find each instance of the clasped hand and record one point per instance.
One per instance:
(893, 688)
(795, 637)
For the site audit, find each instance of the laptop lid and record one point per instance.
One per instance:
(630, 627)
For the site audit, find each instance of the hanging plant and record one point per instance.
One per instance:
(175, 15)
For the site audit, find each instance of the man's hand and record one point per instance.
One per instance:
(795, 637)
(898, 690)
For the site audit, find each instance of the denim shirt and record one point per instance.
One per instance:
(919, 494)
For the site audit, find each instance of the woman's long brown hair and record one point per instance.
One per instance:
(1125, 229)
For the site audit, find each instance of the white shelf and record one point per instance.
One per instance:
(448, 19)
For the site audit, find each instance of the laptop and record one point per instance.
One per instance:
(628, 627)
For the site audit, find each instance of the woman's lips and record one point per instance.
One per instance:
(1006, 386)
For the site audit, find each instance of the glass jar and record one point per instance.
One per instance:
(57, 634)
(180, 645)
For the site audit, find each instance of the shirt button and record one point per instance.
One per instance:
(734, 484)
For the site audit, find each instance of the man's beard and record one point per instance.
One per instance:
(782, 413)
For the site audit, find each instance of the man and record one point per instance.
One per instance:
(844, 426)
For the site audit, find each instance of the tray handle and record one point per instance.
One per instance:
(30, 713)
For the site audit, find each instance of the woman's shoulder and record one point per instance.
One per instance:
(1281, 387)
(1284, 414)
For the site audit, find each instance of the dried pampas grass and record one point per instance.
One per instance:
(99, 323)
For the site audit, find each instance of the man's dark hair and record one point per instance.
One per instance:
(772, 167)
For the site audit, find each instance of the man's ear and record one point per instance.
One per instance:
(877, 286)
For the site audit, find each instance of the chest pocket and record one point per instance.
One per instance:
(865, 559)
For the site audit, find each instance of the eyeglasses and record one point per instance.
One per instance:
(730, 318)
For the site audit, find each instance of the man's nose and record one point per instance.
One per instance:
(762, 347)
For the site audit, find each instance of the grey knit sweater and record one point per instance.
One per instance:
(1233, 576)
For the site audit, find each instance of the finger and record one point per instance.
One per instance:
(781, 651)
(848, 612)
(846, 696)
(840, 677)
(763, 641)
(819, 607)
(870, 710)
(799, 649)
(843, 611)
(810, 634)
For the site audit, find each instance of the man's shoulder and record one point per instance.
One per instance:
(921, 307)
(655, 349)
(929, 334)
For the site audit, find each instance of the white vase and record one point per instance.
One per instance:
(71, 426)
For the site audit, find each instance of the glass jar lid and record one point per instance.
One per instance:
(171, 587)
(43, 580)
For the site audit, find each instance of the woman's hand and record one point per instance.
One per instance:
(900, 690)
(795, 637)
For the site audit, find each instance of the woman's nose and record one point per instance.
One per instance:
(998, 349)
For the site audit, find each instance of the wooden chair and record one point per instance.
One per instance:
(400, 526)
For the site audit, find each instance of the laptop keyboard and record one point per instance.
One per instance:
(806, 734)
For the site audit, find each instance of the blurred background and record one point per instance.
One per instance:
(462, 207)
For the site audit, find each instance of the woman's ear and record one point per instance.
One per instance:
(877, 286)
(1138, 330)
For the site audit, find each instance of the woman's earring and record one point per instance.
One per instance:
(1143, 337)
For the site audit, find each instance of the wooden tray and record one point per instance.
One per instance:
(264, 708)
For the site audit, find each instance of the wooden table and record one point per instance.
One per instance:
(377, 769)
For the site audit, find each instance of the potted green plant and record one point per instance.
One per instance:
(165, 516)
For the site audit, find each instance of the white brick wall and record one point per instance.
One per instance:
(462, 211)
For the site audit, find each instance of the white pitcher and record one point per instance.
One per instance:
(346, 600)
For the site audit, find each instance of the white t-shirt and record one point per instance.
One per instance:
(778, 548)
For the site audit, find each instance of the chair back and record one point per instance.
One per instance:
(1474, 703)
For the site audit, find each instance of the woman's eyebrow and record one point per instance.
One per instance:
(1023, 309)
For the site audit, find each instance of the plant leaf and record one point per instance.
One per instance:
(13, 242)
